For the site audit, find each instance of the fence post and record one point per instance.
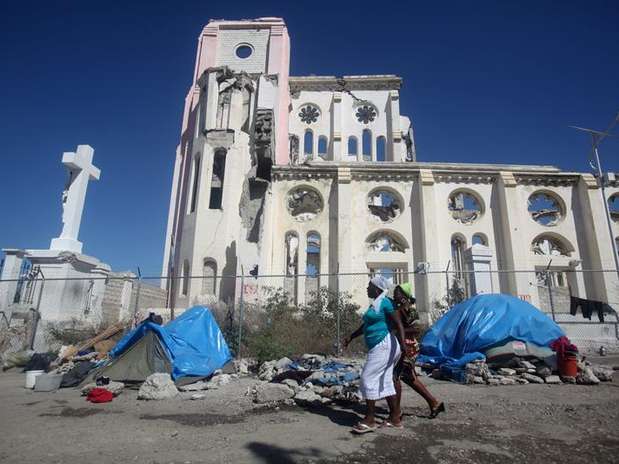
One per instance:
(238, 352)
(338, 346)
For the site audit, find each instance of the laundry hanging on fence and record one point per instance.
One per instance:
(588, 307)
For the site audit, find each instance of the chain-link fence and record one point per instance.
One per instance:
(282, 315)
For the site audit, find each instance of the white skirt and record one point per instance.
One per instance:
(377, 374)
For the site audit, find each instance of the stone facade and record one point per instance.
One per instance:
(287, 176)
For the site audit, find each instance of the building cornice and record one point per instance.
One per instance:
(440, 172)
(345, 83)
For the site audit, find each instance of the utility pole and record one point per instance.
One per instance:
(596, 139)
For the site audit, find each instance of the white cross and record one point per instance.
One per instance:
(81, 170)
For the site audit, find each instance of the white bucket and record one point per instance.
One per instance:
(31, 377)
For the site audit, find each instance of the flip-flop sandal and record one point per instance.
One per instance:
(436, 411)
(388, 424)
(362, 428)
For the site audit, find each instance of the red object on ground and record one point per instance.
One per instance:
(99, 395)
(568, 366)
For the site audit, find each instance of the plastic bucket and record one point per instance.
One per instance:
(31, 378)
(568, 366)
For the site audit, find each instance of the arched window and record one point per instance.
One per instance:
(550, 245)
(386, 241)
(194, 188)
(312, 267)
(352, 145)
(479, 239)
(186, 275)
(366, 145)
(217, 179)
(292, 265)
(322, 146)
(380, 149)
(209, 277)
(308, 142)
(458, 244)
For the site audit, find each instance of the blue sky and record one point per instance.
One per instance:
(483, 82)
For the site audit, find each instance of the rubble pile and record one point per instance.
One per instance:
(311, 379)
(524, 372)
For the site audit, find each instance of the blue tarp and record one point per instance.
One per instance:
(193, 341)
(470, 328)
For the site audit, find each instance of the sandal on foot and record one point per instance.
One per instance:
(436, 411)
(391, 425)
(362, 428)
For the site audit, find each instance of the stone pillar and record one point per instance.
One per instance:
(345, 224)
(13, 260)
(394, 152)
(478, 259)
(506, 218)
(429, 286)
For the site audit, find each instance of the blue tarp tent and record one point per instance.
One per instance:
(470, 328)
(190, 345)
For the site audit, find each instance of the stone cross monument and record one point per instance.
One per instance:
(81, 171)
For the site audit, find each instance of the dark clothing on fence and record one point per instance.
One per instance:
(588, 307)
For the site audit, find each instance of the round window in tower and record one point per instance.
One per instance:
(243, 51)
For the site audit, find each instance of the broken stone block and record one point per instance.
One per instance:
(478, 380)
(196, 386)
(241, 366)
(157, 386)
(219, 380)
(273, 393)
(532, 378)
(506, 371)
(283, 363)
(291, 383)
(198, 396)
(543, 371)
(114, 387)
(568, 379)
(587, 377)
(267, 371)
(604, 373)
(493, 382)
(507, 381)
(553, 380)
(526, 364)
(521, 381)
(307, 396)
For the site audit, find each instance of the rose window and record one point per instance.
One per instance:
(309, 114)
(366, 114)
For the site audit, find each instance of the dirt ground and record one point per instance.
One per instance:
(520, 423)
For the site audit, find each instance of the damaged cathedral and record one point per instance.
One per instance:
(310, 179)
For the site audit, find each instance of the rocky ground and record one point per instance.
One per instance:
(483, 424)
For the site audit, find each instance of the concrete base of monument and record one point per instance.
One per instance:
(72, 287)
(66, 244)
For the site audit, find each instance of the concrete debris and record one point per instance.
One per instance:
(521, 380)
(602, 372)
(272, 393)
(507, 381)
(493, 382)
(196, 386)
(543, 371)
(568, 379)
(532, 378)
(198, 396)
(553, 379)
(291, 383)
(283, 363)
(478, 380)
(586, 376)
(157, 386)
(526, 364)
(114, 387)
(506, 371)
(307, 396)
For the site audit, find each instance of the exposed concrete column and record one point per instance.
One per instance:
(13, 260)
(479, 260)
(345, 223)
(510, 255)
(336, 127)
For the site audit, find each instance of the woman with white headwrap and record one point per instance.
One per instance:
(384, 352)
